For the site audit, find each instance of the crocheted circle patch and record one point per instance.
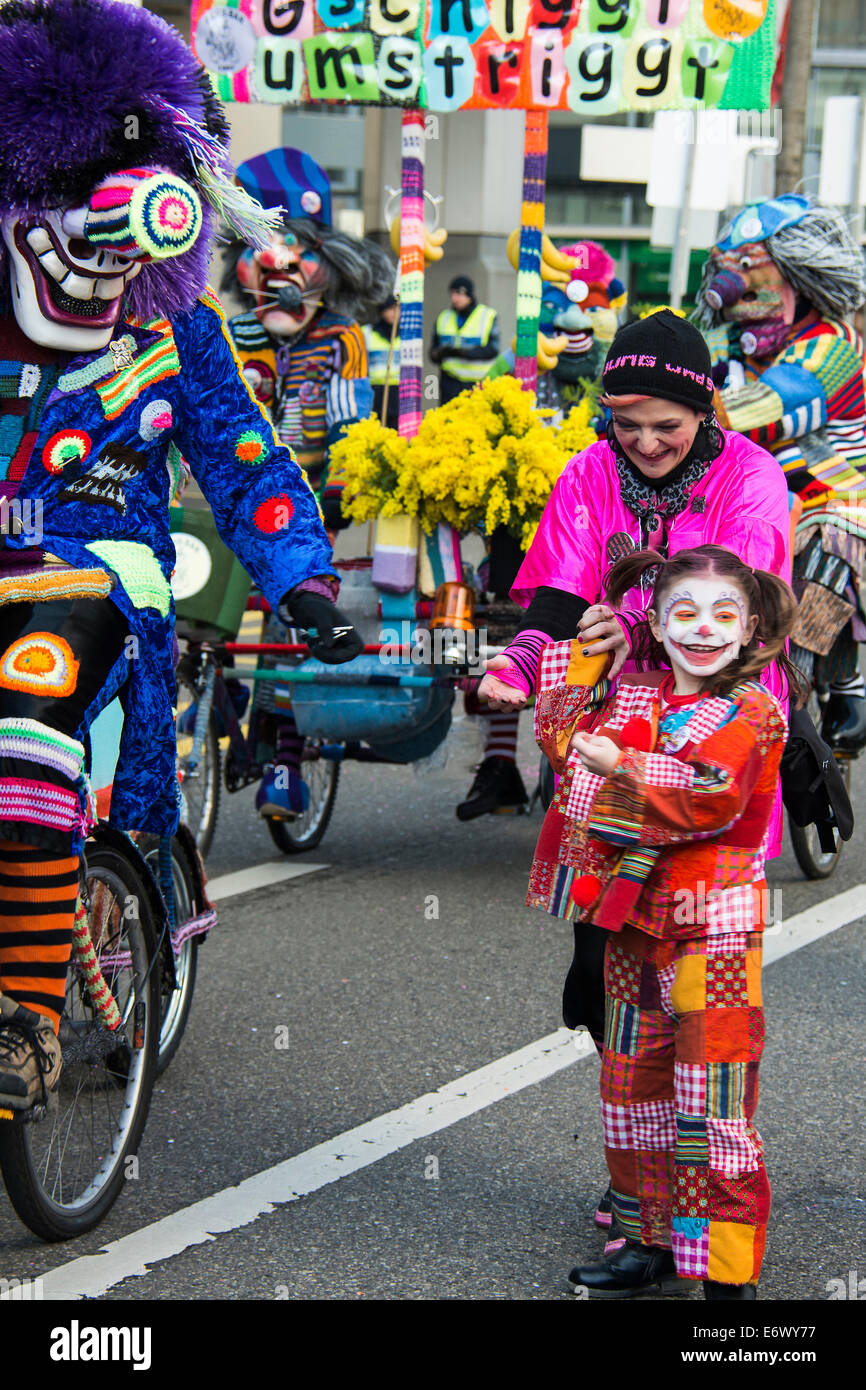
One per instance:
(155, 419)
(274, 514)
(164, 216)
(65, 447)
(251, 447)
(39, 664)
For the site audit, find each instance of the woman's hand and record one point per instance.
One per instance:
(498, 695)
(597, 754)
(599, 630)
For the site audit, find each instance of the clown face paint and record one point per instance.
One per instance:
(765, 308)
(66, 293)
(287, 281)
(702, 624)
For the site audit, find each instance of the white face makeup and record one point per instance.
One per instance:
(703, 623)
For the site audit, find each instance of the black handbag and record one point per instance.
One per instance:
(813, 788)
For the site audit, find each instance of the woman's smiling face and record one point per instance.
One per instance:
(656, 434)
(702, 622)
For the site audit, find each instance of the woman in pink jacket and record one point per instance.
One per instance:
(667, 478)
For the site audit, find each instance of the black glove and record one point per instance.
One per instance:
(437, 353)
(336, 640)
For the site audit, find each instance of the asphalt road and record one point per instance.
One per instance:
(383, 1004)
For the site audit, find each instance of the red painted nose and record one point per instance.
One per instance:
(705, 631)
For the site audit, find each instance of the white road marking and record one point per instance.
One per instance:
(93, 1275)
(259, 876)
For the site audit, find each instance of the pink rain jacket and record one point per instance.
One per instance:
(741, 502)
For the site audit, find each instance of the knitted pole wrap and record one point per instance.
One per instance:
(529, 264)
(82, 949)
(411, 273)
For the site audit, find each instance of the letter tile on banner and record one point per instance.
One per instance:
(595, 70)
(392, 17)
(609, 17)
(398, 68)
(449, 73)
(595, 57)
(340, 14)
(508, 18)
(286, 19)
(279, 72)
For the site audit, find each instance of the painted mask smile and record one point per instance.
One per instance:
(67, 293)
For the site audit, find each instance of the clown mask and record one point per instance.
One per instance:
(287, 281)
(66, 293)
(703, 623)
(750, 291)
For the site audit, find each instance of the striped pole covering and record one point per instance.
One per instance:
(529, 267)
(411, 273)
(82, 948)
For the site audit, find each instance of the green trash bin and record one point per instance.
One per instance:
(210, 585)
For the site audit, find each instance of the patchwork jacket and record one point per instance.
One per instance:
(89, 457)
(699, 803)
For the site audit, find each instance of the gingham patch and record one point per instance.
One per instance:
(729, 910)
(733, 1147)
(690, 1088)
(553, 665)
(653, 1124)
(690, 1242)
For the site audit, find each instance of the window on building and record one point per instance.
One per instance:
(841, 24)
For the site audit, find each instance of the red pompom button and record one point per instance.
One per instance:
(637, 733)
(274, 514)
(585, 890)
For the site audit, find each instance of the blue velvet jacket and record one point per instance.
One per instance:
(99, 478)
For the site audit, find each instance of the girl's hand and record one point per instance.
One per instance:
(600, 631)
(498, 695)
(597, 754)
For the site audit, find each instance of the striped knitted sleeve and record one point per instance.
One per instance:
(552, 616)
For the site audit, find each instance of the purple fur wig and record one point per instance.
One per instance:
(82, 84)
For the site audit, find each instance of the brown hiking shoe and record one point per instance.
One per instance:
(29, 1056)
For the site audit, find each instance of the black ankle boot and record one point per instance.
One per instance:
(498, 786)
(742, 1292)
(634, 1269)
(844, 724)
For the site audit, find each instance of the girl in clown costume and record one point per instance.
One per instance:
(676, 772)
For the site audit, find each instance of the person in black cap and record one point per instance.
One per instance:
(666, 478)
(465, 340)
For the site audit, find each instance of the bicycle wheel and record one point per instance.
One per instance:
(199, 786)
(305, 831)
(175, 1004)
(814, 861)
(64, 1172)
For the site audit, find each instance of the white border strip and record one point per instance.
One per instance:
(93, 1275)
(259, 876)
(233, 1207)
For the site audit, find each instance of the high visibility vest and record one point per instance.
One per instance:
(474, 333)
(377, 355)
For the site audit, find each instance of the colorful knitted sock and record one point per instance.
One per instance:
(501, 736)
(38, 892)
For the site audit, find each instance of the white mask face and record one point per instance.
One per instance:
(704, 621)
(66, 293)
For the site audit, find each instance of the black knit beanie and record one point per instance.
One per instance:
(464, 284)
(661, 355)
